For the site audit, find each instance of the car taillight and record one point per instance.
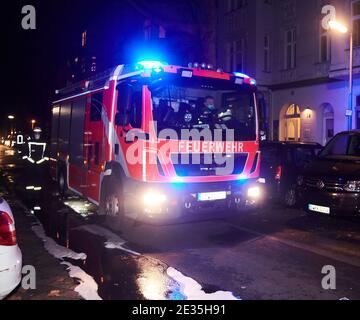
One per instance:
(7, 230)
(278, 173)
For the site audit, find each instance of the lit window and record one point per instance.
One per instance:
(83, 38)
(293, 111)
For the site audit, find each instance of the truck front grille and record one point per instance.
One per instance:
(207, 165)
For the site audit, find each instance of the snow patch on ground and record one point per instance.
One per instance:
(88, 287)
(53, 248)
(113, 241)
(192, 290)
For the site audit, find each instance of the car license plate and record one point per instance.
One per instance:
(212, 196)
(320, 209)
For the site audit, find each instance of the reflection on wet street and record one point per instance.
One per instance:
(245, 255)
(119, 272)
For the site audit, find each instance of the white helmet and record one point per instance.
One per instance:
(37, 133)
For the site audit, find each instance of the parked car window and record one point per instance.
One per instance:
(354, 146)
(303, 156)
(342, 146)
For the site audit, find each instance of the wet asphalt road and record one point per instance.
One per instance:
(273, 253)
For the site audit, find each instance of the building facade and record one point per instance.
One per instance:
(301, 68)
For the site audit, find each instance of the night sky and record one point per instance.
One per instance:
(32, 57)
(35, 61)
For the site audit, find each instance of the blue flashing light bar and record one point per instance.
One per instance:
(150, 65)
(241, 75)
(245, 78)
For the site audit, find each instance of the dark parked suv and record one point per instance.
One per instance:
(281, 164)
(331, 184)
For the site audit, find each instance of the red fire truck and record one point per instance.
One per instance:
(135, 141)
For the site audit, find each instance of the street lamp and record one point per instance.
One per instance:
(11, 118)
(337, 26)
(33, 122)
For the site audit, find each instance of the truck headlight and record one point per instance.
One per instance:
(254, 192)
(352, 186)
(154, 198)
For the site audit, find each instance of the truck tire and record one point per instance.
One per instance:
(62, 183)
(112, 199)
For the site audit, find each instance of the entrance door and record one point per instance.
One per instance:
(292, 130)
(328, 124)
(293, 123)
(329, 129)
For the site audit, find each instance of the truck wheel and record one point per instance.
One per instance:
(112, 200)
(290, 197)
(62, 183)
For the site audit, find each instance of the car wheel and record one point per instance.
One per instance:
(290, 197)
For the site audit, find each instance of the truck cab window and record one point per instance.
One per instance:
(130, 105)
(96, 107)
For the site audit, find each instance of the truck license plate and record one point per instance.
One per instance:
(212, 196)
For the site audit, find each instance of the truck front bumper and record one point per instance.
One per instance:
(167, 203)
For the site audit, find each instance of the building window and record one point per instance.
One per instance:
(293, 111)
(237, 55)
(83, 38)
(356, 22)
(290, 49)
(267, 53)
(325, 45)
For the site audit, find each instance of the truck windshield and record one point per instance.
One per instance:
(204, 105)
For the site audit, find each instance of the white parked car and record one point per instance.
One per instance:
(10, 254)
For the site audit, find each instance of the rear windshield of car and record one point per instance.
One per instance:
(345, 146)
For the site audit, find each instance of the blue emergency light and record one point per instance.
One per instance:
(154, 65)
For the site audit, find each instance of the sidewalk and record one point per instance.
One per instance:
(52, 280)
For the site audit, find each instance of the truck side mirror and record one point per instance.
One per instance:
(263, 117)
